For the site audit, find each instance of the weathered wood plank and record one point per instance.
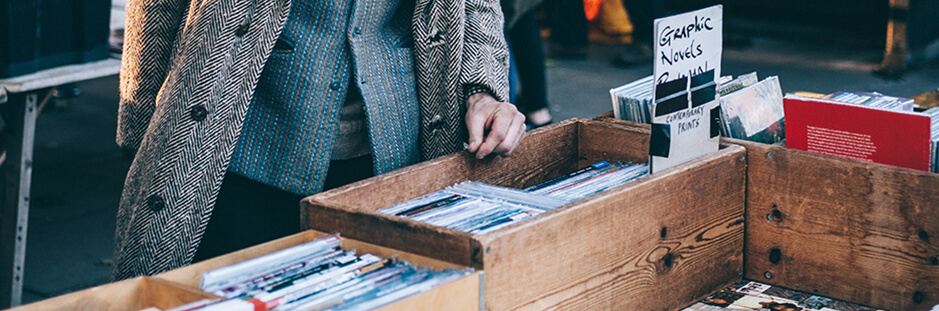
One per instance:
(391, 231)
(861, 232)
(134, 294)
(192, 274)
(606, 142)
(460, 295)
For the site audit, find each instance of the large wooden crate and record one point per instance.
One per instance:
(465, 294)
(852, 230)
(857, 231)
(133, 294)
(656, 243)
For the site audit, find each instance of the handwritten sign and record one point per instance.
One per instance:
(687, 65)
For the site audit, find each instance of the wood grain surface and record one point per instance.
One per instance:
(862, 232)
(133, 294)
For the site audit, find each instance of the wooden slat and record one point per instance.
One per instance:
(607, 142)
(862, 232)
(608, 252)
(134, 294)
(61, 75)
(459, 295)
(191, 275)
(394, 232)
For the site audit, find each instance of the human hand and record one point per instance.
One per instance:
(494, 126)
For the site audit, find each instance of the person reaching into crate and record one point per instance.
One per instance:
(235, 110)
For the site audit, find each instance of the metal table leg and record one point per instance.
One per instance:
(20, 113)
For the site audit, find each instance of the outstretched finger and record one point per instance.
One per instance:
(475, 126)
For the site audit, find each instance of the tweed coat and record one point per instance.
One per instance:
(188, 74)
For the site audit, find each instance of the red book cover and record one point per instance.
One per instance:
(858, 132)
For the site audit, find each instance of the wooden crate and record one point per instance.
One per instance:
(656, 243)
(132, 294)
(464, 294)
(851, 230)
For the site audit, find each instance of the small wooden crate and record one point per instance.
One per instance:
(133, 294)
(851, 230)
(656, 243)
(465, 294)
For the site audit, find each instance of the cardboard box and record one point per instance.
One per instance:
(847, 229)
(463, 294)
(657, 243)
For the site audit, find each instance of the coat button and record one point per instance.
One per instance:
(156, 203)
(335, 86)
(356, 32)
(198, 112)
(242, 30)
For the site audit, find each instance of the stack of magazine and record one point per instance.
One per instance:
(633, 101)
(750, 109)
(873, 99)
(478, 208)
(317, 275)
(934, 114)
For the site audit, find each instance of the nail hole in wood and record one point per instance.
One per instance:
(664, 232)
(918, 297)
(934, 261)
(775, 255)
(923, 235)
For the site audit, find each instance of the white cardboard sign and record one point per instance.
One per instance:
(687, 65)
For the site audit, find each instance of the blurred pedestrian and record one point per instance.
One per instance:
(642, 15)
(567, 23)
(527, 51)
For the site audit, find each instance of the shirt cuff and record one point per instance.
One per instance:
(473, 89)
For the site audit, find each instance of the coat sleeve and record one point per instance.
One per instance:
(485, 60)
(152, 27)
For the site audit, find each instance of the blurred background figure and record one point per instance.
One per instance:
(567, 24)
(530, 89)
(641, 14)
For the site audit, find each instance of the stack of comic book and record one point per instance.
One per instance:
(317, 275)
(633, 101)
(934, 114)
(873, 99)
(752, 109)
(478, 208)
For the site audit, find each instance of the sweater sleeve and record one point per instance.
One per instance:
(152, 27)
(485, 63)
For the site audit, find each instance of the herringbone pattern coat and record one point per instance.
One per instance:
(188, 75)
